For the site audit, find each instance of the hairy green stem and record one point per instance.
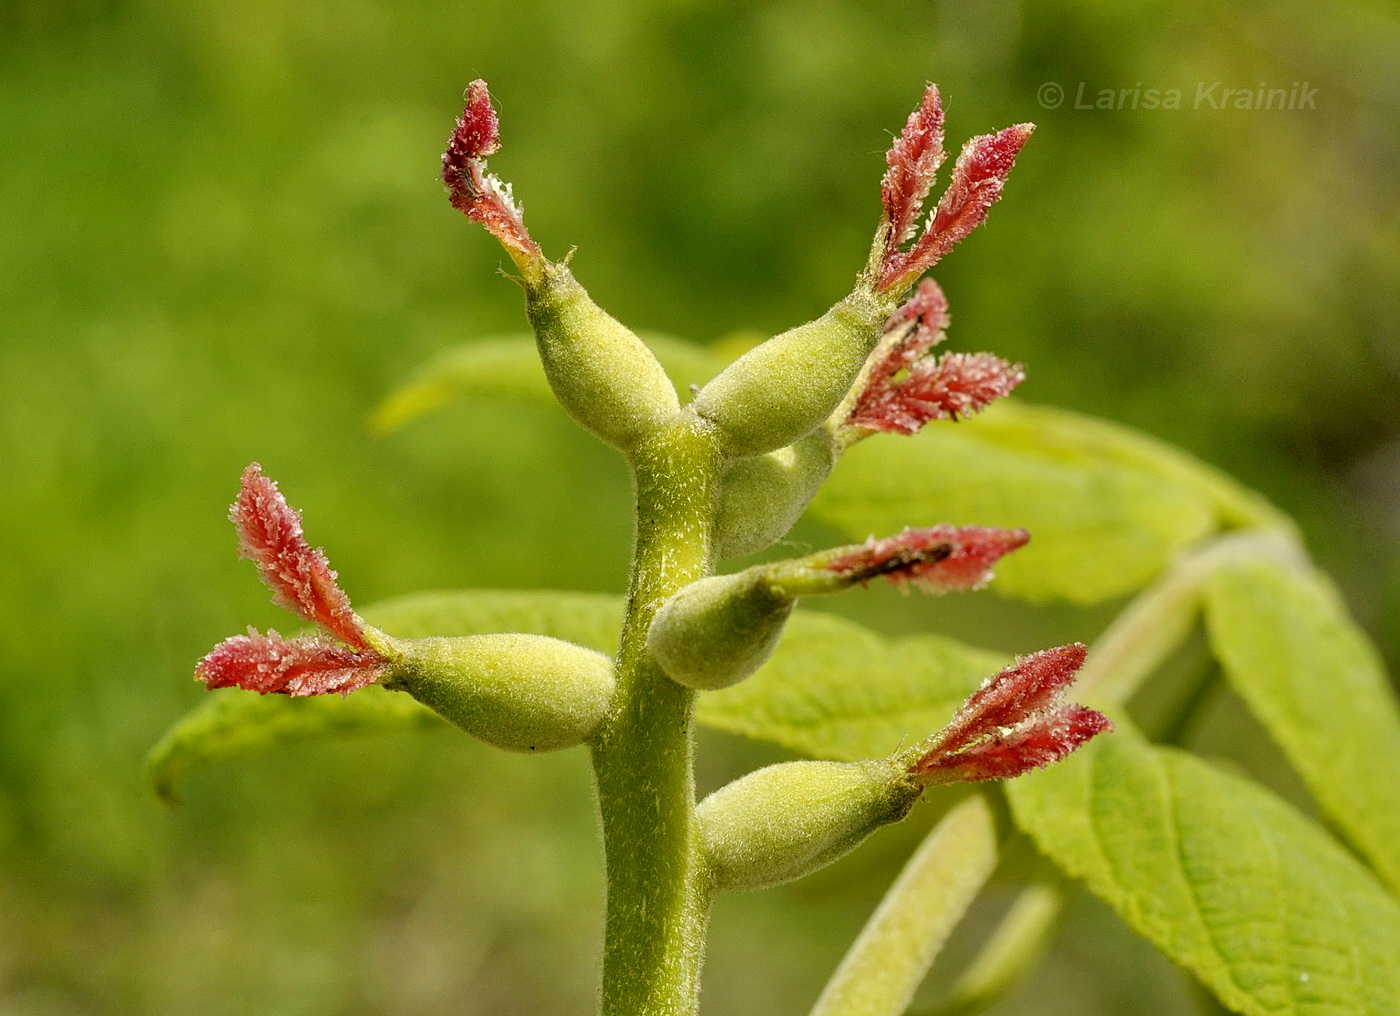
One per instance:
(883, 969)
(658, 893)
(1156, 623)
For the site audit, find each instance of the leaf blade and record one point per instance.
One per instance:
(1308, 674)
(508, 367)
(1228, 880)
(1102, 523)
(836, 690)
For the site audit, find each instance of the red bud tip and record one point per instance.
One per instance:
(978, 176)
(478, 195)
(905, 388)
(913, 159)
(478, 131)
(1014, 723)
(937, 560)
(270, 535)
(920, 320)
(270, 664)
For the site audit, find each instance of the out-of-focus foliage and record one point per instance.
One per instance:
(221, 239)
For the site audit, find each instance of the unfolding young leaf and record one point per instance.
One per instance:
(1100, 527)
(1226, 879)
(836, 690)
(1309, 675)
(509, 368)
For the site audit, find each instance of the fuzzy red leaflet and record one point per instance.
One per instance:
(1035, 744)
(271, 664)
(978, 177)
(1031, 685)
(937, 559)
(270, 535)
(905, 388)
(478, 131)
(1015, 722)
(478, 195)
(913, 160)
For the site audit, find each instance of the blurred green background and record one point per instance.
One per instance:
(222, 239)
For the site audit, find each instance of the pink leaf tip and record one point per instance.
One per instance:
(271, 664)
(938, 559)
(913, 160)
(270, 535)
(478, 130)
(1015, 722)
(479, 195)
(978, 177)
(905, 387)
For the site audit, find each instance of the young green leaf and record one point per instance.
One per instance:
(229, 725)
(509, 367)
(1230, 882)
(1101, 528)
(1318, 687)
(836, 690)
(1078, 438)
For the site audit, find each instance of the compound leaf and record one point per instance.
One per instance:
(1315, 683)
(1258, 902)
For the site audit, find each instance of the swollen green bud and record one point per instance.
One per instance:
(521, 692)
(782, 389)
(786, 821)
(762, 496)
(718, 630)
(603, 374)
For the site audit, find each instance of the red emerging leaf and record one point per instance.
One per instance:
(978, 177)
(1013, 723)
(938, 559)
(478, 195)
(1034, 744)
(270, 535)
(1033, 684)
(478, 130)
(270, 664)
(913, 159)
(905, 388)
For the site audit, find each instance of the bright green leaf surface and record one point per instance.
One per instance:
(588, 619)
(509, 368)
(1230, 882)
(836, 690)
(232, 724)
(1315, 683)
(1100, 527)
(1073, 437)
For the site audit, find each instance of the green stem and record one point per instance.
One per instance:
(1156, 623)
(658, 894)
(883, 969)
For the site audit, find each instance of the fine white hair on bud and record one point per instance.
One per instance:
(789, 820)
(521, 692)
(601, 372)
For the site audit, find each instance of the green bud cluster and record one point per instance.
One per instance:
(604, 376)
(786, 821)
(762, 496)
(718, 630)
(520, 692)
(783, 389)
